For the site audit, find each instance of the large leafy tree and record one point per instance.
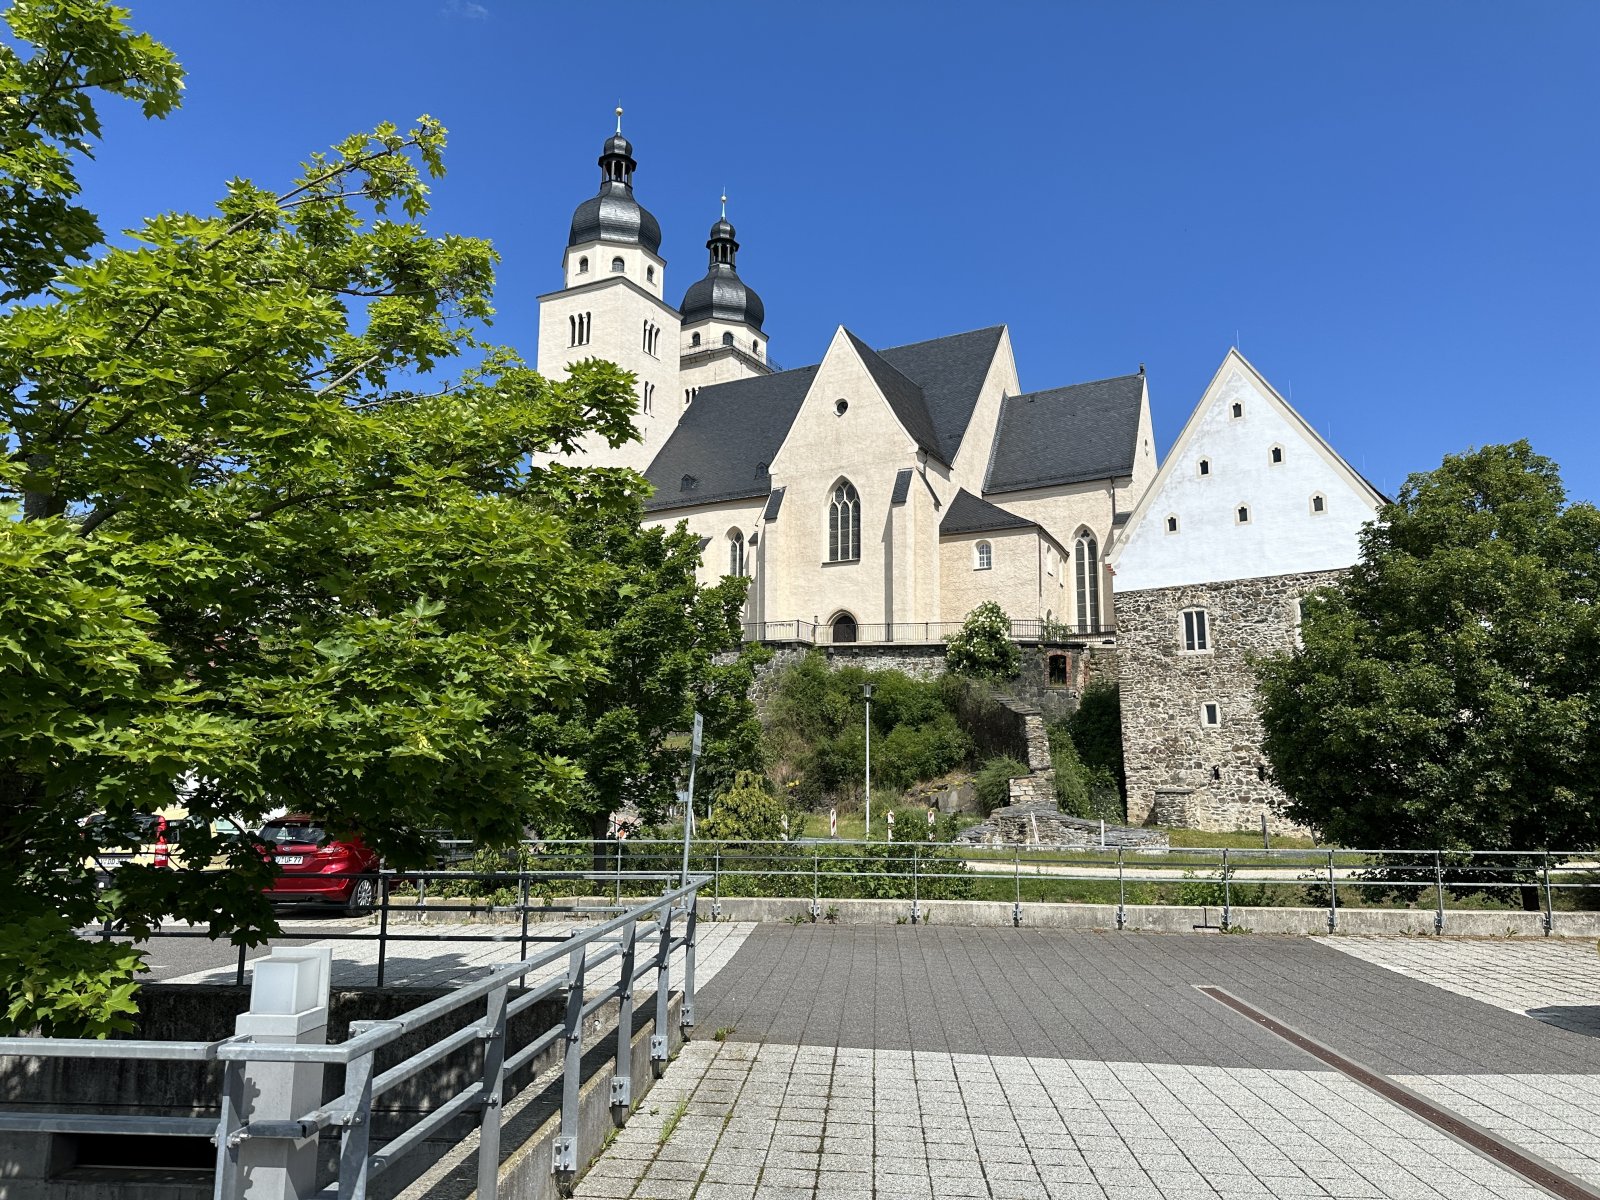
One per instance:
(1445, 694)
(255, 548)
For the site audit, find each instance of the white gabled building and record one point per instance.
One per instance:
(1251, 510)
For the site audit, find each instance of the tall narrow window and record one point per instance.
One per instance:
(1238, 410)
(1172, 523)
(1277, 456)
(1242, 514)
(647, 394)
(844, 523)
(694, 339)
(572, 329)
(982, 556)
(1319, 503)
(1196, 631)
(1086, 556)
(1205, 466)
(735, 553)
(650, 274)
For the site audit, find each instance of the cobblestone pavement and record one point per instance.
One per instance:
(445, 962)
(925, 1063)
(1556, 981)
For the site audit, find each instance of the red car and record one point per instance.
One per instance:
(315, 869)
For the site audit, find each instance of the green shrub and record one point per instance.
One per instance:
(993, 782)
(982, 647)
(1096, 729)
(747, 812)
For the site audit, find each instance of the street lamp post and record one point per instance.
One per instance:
(866, 693)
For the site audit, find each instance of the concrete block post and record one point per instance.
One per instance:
(288, 1005)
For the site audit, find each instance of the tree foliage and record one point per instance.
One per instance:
(816, 727)
(1445, 694)
(257, 550)
(1096, 730)
(982, 647)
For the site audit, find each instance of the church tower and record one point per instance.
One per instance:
(722, 317)
(611, 307)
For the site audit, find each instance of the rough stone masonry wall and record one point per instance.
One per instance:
(1179, 772)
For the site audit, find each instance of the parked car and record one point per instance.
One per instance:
(317, 869)
(156, 839)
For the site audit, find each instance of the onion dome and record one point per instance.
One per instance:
(722, 294)
(614, 215)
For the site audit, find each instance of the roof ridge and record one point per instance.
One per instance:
(994, 442)
(905, 396)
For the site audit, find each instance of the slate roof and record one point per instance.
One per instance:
(902, 486)
(904, 396)
(950, 371)
(726, 438)
(732, 431)
(968, 514)
(1066, 435)
(774, 503)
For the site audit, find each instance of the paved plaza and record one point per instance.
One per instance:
(925, 1063)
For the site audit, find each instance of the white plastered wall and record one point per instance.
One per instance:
(618, 314)
(866, 445)
(1284, 535)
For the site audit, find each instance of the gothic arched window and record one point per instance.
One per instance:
(1086, 560)
(735, 552)
(844, 523)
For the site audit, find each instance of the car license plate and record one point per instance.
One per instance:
(290, 860)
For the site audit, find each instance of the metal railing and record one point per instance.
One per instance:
(644, 937)
(926, 633)
(1435, 882)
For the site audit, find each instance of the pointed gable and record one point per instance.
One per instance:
(951, 372)
(904, 397)
(1242, 510)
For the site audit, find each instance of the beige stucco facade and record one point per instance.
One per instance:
(1019, 576)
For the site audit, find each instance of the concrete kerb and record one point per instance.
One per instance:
(532, 1120)
(1159, 918)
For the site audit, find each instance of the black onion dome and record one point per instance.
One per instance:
(723, 295)
(615, 216)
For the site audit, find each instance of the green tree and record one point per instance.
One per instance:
(1445, 694)
(982, 647)
(670, 648)
(254, 549)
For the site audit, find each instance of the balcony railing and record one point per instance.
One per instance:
(914, 633)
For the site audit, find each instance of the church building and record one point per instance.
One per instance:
(878, 495)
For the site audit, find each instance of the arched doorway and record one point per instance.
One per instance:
(844, 628)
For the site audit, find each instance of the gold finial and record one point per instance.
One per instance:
(619, 116)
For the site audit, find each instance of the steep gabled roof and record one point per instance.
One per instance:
(728, 436)
(904, 397)
(950, 371)
(726, 439)
(968, 514)
(1066, 435)
(774, 503)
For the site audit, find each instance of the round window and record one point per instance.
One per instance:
(840, 407)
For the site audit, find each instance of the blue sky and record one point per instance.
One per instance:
(1393, 207)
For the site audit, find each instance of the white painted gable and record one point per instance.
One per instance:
(1284, 534)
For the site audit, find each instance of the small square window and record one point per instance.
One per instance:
(1205, 467)
(1237, 410)
(1277, 456)
(1172, 524)
(1241, 515)
(1210, 714)
(1319, 503)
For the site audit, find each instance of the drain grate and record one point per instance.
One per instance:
(1532, 1168)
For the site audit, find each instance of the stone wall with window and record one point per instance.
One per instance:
(1188, 765)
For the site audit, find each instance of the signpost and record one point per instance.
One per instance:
(688, 796)
(866, 694)
(833, 823)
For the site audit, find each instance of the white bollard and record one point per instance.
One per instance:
(288, 1004)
